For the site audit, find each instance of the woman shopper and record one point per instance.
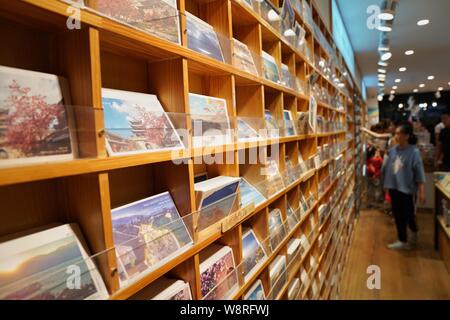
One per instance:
(404, 178)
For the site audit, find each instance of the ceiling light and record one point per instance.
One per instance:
(416, 90)
(398, 80)
(384, 28)
(425, 104)
(421, 85)
(423, 22)
(385, 16)
(380, 97)
(434, 104)
(391, 97)
(430, 78)
(395, 87)
(440, 88)
(385, 64)
(386, 56)
(400, 105)
(449, 83)
(409, 52)
(402, 69)
(381, 76)
(380, 84)
(382, 70)
(392, 91)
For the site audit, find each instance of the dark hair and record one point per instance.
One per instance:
(407, 128)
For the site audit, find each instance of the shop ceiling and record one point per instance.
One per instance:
(431, 44)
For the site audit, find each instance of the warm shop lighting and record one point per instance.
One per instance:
(380, 97)
(402, 69)
(384, 64)
(409, 52)
(395, 87)
(416, 90)
(400, 105)
(422, 85)
(392, 91)
(382, 70)
(398, 80)
(386, 56)
(434, 104)
(430, 78)
(423, 22)
(440, 88)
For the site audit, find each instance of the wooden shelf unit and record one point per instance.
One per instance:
(106, 53)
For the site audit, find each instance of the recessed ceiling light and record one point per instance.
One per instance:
(384, 28)
(381, 76)
(421, 85)
(380, 84)
(400, 105)
(380, 97)
(449, 83)
(395, 87)
(386, 16)
(384, 64)
(382, 70)
(416, 90)
(430, 78)
(398, 80)
(434, 104)
(409, 52)
(386, 56)
(423, 22)
(392, 91)
(440, 88)
(402, 69)
(425, 104)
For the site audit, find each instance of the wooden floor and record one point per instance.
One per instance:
(417, 274)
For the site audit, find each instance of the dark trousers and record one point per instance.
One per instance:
(404, 213)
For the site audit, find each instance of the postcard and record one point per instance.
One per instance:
(210, 122)
(215, 199)
(202, 38)
(253, 254)
(37, 124)
(256, 292)
(277, 276)
(157, 17)
(271, 125)
(147, 233)
(246, 133)
(249, 194)
(312, 113)
(242, 58)
(165, 289)
(274, 182)
(277, 228)
(292, 218)
(294, 289)
(38, 267)
(270, 13)
(270, 68)
(289, 123)
(136, 123)
(218, 278)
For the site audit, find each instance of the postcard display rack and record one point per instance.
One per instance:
(104, 175)
(442, 216)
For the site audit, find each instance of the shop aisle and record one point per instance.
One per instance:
(417, 274)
